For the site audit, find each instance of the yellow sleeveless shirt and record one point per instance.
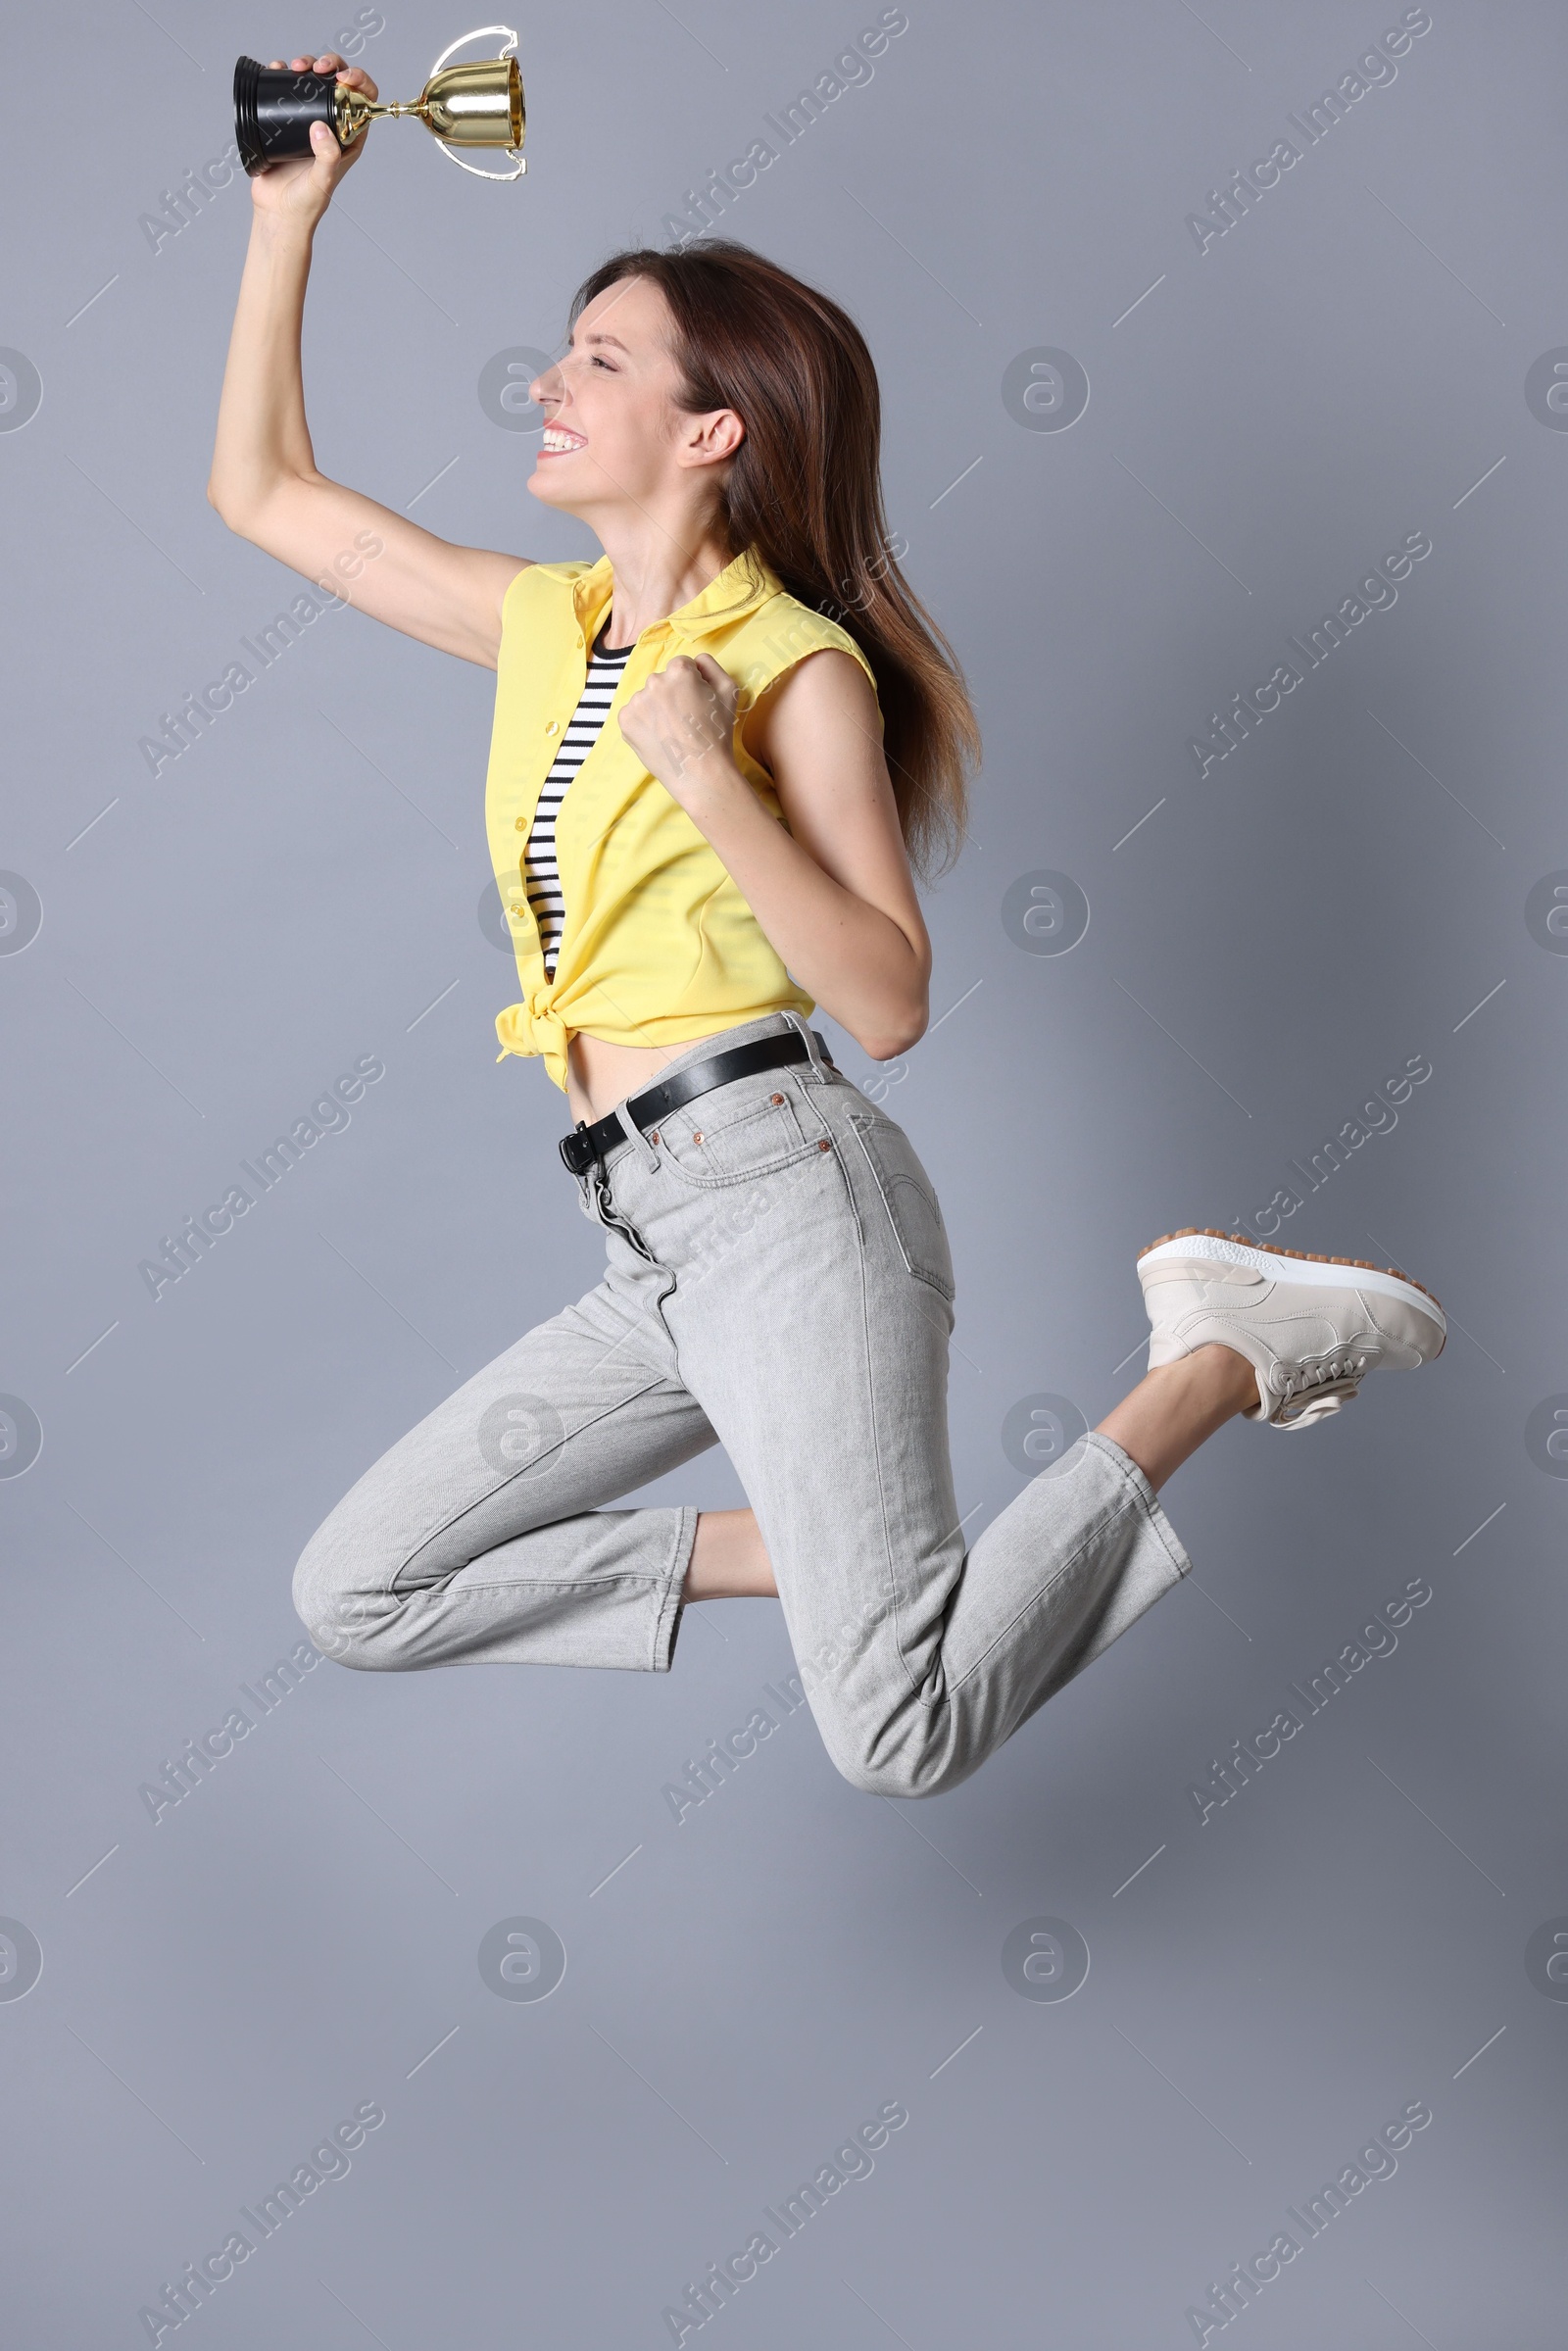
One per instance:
(659, 946)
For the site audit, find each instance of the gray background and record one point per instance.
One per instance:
(222, 1988)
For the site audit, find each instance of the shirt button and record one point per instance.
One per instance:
(522, 824)
(551, 726)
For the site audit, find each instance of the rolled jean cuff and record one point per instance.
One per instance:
(667, 1625)
(1160, 1532)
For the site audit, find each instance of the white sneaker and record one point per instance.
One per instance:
(1311, 1327)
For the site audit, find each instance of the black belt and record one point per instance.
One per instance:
(586, 1143)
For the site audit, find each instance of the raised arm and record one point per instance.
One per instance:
(265, 480)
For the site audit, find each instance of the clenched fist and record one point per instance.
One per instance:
(681, 725)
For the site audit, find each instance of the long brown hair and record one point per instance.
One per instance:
(805, 492)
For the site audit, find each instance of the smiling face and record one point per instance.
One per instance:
(614, 434)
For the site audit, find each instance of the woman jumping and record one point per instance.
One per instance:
(704, 800)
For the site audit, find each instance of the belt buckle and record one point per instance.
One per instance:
(577, 1154)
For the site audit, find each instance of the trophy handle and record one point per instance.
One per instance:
(481, 174)
(509, 48)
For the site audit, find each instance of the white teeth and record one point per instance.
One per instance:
(555, 439)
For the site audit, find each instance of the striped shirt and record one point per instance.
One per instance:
(542, 875)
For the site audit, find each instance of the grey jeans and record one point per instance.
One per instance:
(777, 1281)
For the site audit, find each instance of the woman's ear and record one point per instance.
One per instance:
(712, 438)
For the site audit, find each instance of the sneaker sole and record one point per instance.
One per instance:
(1300, 1266)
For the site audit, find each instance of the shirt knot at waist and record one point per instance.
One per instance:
(534, 1026)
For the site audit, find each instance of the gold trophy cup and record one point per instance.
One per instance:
(476, 105)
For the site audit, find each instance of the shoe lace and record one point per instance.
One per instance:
(1345, 1364)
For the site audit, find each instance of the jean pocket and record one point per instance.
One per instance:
(714, 1141)
(909, 1197)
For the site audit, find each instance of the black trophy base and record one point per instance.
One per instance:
(274, 109)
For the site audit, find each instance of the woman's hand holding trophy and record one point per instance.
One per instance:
(300, 187)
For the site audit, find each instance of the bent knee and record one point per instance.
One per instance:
(904, 1771)
(341, 1613)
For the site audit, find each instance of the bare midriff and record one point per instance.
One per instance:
(600, 1074)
